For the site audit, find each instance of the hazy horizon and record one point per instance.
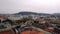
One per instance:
(39, 6)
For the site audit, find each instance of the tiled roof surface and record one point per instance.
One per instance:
(47, 29)
(7, 32)
(31, 32)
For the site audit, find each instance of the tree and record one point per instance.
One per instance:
(9, 21)
(22, 20)
(2, 27)
(0, 20)
(58, 25)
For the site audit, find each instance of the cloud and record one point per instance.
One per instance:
(40, 6)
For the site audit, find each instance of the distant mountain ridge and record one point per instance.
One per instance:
(26, 13)
(57, 14)
(34, 13)
(29, 13)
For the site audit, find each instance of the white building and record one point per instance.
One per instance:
(15, 17)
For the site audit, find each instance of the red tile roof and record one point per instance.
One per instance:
(7, 32)
(31, 31)
(2, 16)
(47, 29)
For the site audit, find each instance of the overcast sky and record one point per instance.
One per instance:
(40, 6)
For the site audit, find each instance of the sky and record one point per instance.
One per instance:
(39, 6)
